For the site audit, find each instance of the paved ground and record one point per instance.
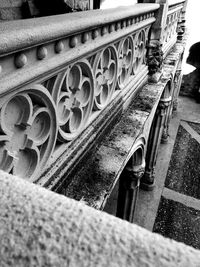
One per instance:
(173, 207)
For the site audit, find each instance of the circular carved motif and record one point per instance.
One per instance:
(125, 60)
(29, 129)
(105, 71)
(139, 50)
(73, 93)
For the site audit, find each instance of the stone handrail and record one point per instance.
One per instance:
(39, 227)
(23, 34)
(59, 78)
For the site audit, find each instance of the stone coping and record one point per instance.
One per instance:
(42, 228)
(22, 34)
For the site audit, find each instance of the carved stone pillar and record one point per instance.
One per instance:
(165, 134)
(147, 181)
(128, 191)
(177, 86)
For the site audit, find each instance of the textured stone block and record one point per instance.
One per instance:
(41, 228)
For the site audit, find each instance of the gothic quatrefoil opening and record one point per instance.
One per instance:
(105, 71)
(139, 51)
(125, 61)
(28, 132)
(73, 93)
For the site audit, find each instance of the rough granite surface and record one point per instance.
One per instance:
(41, 228)
(177, 221)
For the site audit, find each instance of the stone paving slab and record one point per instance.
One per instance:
(179, 222)
(148, 202)
(184, 167)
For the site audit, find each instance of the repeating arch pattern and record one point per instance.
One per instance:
(35, 118)
(28, 131)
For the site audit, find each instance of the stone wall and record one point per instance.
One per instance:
(10, 10)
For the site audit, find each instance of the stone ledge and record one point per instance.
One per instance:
(96, 177)
(41, 228)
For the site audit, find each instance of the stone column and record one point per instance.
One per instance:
(147, 181)
(128, 191)
(177, 84)
(165, 134)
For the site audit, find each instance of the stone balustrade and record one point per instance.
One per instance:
(173, 18)
(60, 78)
(41, 228)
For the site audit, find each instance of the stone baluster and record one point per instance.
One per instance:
(177, 85)
(165, 134)
(128, 191)
(147, 181)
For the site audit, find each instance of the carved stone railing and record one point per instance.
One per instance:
(62, 80)
(171, 27)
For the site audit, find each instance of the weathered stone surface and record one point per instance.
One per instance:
(41, 228)
(33, 32)
(177, 221)
(95, 179)
(183, 172)
(10, 13)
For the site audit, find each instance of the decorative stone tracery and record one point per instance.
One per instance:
(80, 73)
(126, 54)
(28, 131)
(140, 40)
(171, 26)
(73, 93)
(105, 73)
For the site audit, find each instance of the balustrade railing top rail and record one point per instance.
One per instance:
(21, 34)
